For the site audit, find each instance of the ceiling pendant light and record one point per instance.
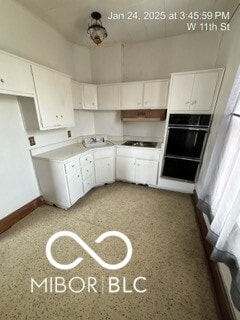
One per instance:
(96, 30)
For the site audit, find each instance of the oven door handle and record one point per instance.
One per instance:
(182, 158)
(188, 128)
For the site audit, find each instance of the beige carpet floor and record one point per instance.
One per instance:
(166, 250)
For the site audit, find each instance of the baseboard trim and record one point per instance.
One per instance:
(221, 295)
(22, 212)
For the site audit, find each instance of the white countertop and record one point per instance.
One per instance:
(70, 151)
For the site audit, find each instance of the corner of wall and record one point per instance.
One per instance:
(82, 69)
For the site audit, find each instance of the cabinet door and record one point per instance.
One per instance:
(90, 96)
(146, 172)
(181, 90)
(47, 99)
(108, 96)
(131, 95)
(54, 98)
(155, 94)
(104, 170)
(77, 93)
(64, 100)
(125, 169)
(15, 76)
(75, 186)
(204, 91)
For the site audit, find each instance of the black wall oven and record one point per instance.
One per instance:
(186, 139)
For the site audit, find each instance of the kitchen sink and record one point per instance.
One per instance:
(146, 144)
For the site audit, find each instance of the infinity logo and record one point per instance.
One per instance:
(92, 253)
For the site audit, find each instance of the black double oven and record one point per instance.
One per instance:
(186, 139)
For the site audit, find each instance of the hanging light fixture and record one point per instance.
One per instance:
(96, 30)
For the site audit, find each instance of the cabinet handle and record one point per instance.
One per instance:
(61, 116)
(73, 165)
(187, 102)
(57, 116)
(78, 175)
(2, 81)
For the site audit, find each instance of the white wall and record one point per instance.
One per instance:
(81, 64)
(85, 124)
(23, 34)
(108, 123)
(144, 130)
(18, 181)
(106, 64)
(158, 58)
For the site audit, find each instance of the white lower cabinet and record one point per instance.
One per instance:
(104, 171)
(59, 182)
(75, 186)
(104, 161)
(88, 184)
(146, 172)
(137, 165)
(125, 169)
(63, 182)
(87, 166)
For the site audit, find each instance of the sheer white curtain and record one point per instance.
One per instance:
(219, 196)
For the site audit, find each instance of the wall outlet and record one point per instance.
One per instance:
(69, 133)
(31, 141)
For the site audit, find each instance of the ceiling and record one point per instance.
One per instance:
(71, 17)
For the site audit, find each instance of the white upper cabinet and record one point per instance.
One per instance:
(118, 96)
(64, 99)
(194, 92)
(181, 90)
(15, 76)
(90, 96)
(108, 97)
(54, 98)
(131, 95)
(204, 91)
(155, 94)
(77, 95)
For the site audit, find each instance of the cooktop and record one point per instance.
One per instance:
(147, 144)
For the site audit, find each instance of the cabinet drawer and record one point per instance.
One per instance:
(88, 184)
(139, 153)
(72, 166)
(106, 153)
(86, 160)
(87, 171)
